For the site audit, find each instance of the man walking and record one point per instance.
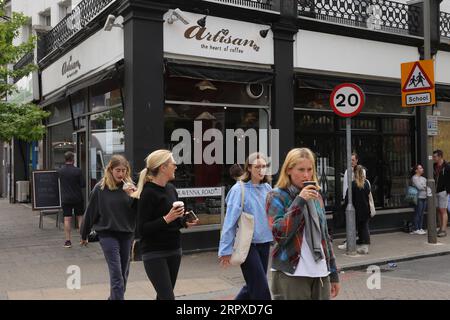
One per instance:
(442, 178)
(72, 182)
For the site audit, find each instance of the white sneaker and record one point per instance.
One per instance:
(421, 231)
(415, 232)
(343, 246)
(363, 249)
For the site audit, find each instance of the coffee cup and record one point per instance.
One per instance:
(178, 204)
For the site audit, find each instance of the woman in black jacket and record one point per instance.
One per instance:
(160, 219)
(360, 199)
(111, 214)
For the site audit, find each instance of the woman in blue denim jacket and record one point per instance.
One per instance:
(254, 268)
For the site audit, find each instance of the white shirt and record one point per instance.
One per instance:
(307, 266)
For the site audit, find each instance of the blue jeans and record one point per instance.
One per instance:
(117, 252)
(254, 270)
(418, 216)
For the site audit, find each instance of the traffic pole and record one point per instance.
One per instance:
(350, 210)
(431, 210)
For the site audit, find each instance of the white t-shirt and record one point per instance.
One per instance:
(307, 266)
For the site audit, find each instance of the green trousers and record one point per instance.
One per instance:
(286, 287)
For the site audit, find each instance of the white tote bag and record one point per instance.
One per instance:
(244, 234)
(373, 212)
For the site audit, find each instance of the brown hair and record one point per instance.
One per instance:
(359, 176)
(108, 179)
(246, 176)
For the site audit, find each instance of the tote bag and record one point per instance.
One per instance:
(373, 212)
(244, 234)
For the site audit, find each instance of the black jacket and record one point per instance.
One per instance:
(155, 234)
(72, 182)
(360, 199)
(443, 179)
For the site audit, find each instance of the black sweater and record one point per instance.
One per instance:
(360, 199)
(109, 211)
(154, 203)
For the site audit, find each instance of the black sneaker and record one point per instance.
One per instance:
(67, 244)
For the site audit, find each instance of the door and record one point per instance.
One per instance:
(79, 138)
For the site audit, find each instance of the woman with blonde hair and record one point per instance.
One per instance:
(160, 218)
(360, 199)
(111, 213)
(253, 185)
(303, 259)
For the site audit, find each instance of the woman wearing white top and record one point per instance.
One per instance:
(420, 183)
(303, 264)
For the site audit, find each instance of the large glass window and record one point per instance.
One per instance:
(384, 145)
(61, 141)
(107, 138)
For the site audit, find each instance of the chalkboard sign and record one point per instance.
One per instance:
(46, 190)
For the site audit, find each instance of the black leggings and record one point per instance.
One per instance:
(163, 273)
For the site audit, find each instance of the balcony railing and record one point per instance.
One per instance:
(79, 18)
(253, 4)
(445, 24)
(380, 15)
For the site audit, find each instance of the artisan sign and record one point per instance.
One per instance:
(70, 67)
(218, 38)
(418, 83)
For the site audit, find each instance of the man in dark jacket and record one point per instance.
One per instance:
(442, 178)
(72, 182)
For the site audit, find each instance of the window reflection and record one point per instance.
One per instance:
(107, 138)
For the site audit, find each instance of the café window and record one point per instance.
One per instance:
(384, 144)
(60, 141)
(107, 138)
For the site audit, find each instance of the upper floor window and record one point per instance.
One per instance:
(45, 18)
(65, 8)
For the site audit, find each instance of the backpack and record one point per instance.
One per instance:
(411, 195)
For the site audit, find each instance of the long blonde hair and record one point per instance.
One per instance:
(152, 164)
(359, 176)
(292, 159)
(246, 176)
(108, 179)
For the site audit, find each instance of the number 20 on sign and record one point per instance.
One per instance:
(347, 100)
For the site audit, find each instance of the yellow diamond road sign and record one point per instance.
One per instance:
(418, 83)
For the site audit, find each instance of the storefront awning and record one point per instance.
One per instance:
(225, 74)
(53, 99)
(87, 82)
(321, 82)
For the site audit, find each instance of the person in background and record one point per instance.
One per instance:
(420, 182)
(355, 160)
(303, 261)
(160, 218)
(236, 172)
(254, 269)
(72, 183)
(442, 178)
(360, 199)
(111, 213)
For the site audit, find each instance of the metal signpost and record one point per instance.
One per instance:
(347, 100)
(418, 90)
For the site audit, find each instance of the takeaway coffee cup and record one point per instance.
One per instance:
(178, 204)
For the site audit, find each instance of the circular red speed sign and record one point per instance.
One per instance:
(347, 100)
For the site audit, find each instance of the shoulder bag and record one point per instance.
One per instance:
(373, 212)
(244, 234)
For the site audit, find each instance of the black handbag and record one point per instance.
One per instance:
(93, 236)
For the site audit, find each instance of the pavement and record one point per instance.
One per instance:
(35, 266)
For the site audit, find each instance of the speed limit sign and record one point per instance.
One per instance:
(347, 100)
